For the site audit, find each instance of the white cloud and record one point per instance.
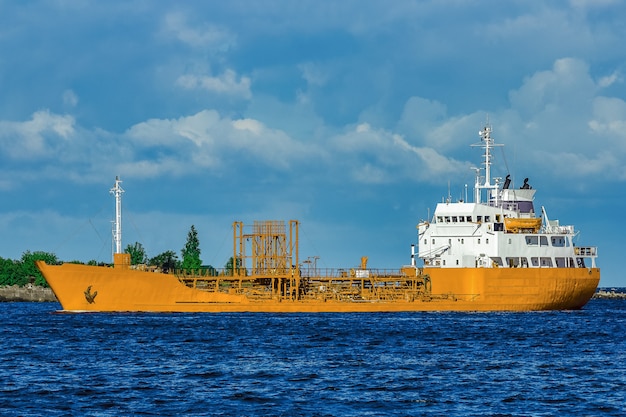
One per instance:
(556, 126)
(154, 168)
(562, 128)
(314, 74)
(615, 77)
(380, 156)
(363, 128)
(555, 119)
(206, 139)
(37, 137)
(274, 147)
(593, 4)
(434, 165)
(567, 85)
(608, 122)
(250, 125)
(70, 98)
(184, 139)
(227, 83)
(370, 174)
(420, 115)
(568, 164)
(425, 122)
(208, 36)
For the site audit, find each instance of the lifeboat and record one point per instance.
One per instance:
(517, 225)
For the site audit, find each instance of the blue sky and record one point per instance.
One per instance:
(352, 117)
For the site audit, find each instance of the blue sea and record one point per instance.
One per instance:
(567, 363)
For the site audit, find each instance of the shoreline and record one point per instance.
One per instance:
(29, 293)
(32, 293)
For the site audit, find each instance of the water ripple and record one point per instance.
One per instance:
(498, 364)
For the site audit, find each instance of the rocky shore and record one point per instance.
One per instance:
(27, 293)
(610, 294)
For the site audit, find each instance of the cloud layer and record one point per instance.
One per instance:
(303, 109)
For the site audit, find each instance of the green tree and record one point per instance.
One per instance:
(10, 270)
(166, 261)
(137, 254)
(29, 272)
(191, 251)
(228, 268)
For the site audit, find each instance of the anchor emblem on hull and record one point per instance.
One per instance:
(89, 296)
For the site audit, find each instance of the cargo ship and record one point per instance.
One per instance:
(492, 254)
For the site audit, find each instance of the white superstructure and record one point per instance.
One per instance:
(499, 229)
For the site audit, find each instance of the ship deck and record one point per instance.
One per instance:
(331, 285)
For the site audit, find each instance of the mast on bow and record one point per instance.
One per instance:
(117, 224)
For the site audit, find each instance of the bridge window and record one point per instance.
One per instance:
(532, 240)
(487, 219)
(479, 219)
(512, 262)
(454, 219)
(468, 218)
(461, 219)
(543, 240)
(439, 219)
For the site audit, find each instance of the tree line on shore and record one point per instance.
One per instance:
(23, 271)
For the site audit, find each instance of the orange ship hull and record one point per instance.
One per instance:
(517, 289)
(90, 288)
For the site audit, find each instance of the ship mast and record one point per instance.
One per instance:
(117, 224)
(487, 144)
